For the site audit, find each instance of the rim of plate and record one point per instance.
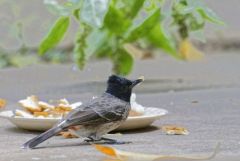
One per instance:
(9, 115)
(150, 112)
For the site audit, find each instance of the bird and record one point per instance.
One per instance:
(97, 117)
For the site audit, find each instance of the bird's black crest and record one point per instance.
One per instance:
(114, 79)
(121, 87)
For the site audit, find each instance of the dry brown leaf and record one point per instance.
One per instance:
(174, 130)
(3, 103)
(131, 156)
(188, 51)
(106, 150)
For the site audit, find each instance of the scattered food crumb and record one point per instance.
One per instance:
(174, 130)
(2, 103)
(94, 97)
(33, 107)
(136, 108)
(67, 135)
(195, 101)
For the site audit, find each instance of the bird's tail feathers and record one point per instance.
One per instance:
(42, 137)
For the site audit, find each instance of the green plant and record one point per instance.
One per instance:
(106, 26)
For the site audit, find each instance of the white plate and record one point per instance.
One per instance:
(41, 124)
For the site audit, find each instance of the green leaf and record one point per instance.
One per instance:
(97, 42)
(136, 7)
(123, 62)
(145, 27)
(107, 47)
(195, 22)
(209, 15)
(81, 45)
(93, 12)
(115, 21)
(132, 7)
(89, 43)
(76, 14)
(158, 38)
(55, 35)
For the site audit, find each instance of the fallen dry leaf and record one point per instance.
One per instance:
(188, 51)
(174, 130)
(131, 156)
(3, 103)
(106, 150)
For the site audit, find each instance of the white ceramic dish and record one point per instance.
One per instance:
(40, 124)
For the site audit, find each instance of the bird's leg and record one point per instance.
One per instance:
(89, 140)
(104, 140)
(112, 141)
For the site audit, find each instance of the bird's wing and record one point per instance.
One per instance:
(96, 112)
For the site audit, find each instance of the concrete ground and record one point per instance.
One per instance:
(202, 96)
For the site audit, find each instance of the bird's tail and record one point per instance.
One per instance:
(42, 137)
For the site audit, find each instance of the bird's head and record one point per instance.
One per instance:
(121, 87)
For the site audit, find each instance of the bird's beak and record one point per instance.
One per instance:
(137, 81)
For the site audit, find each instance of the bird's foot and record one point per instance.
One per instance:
(112, 141)
(89, 140)
(103, 140)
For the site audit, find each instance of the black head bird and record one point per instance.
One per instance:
(99, 116)
(121, 87)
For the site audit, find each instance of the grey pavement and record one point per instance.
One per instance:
(202, 96)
